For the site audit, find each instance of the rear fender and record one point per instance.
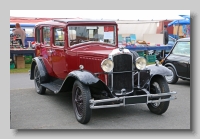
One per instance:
(43, 72)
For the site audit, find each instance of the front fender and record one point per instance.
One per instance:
(86, 78)
(154, 71)
(83, 76)
(159, 70)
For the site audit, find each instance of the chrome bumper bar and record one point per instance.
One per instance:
(132, 100)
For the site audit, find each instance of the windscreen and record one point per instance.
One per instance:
(87, 34)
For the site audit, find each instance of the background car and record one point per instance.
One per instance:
(178, 61)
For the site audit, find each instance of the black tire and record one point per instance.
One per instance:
(172, 79)
(159, 85)
(39, 89)
(81, 105)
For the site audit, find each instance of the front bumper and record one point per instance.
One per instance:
(132, 100)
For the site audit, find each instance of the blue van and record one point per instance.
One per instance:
(29, 29)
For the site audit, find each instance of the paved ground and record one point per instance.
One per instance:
(32, 111)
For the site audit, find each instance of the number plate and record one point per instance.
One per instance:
(135, 100)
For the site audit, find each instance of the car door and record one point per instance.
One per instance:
(45, 50)
(182, 66)
(58, 52)
(181, 58)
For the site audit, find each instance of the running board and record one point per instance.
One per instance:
(52, 86)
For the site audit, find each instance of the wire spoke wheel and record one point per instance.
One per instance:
(80, 100)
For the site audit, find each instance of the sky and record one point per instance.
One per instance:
(103, 14)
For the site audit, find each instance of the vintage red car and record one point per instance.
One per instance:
(83, 57)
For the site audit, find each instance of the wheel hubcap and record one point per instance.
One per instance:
(169, 78)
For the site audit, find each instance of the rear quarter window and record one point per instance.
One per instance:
(182, 48)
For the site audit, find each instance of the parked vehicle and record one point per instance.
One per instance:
(178, 61)
(85, 59)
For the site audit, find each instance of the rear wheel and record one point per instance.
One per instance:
(173, 78)
(39, 89)
(80, 99)
(159, 85)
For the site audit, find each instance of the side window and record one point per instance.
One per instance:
(59, 37)
(37, 33)
(72, 36)
(46, 35)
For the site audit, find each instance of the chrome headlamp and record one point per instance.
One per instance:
(107, 65)
(140, 63)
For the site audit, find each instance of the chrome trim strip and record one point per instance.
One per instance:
(106, 100)
(124, 93)
(162, 100)
(138, 79)
(162, 94)
(124, 102)
(107, 106)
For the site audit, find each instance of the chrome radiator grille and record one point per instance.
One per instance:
(122, 62)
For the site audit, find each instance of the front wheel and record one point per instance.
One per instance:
(80, 99)
(159, 85)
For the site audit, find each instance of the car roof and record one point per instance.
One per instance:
(184, 39)
(73, 21)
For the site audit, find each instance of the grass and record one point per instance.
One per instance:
(24, 70)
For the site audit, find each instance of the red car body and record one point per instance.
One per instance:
(59, 63)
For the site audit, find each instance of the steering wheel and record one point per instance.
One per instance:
(79, 40)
